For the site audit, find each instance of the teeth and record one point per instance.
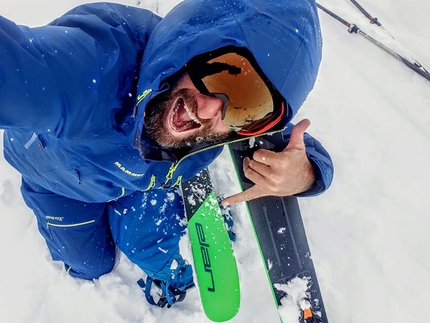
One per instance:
(192, 124)
(190, 114)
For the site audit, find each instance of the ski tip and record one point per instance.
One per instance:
(222, 315)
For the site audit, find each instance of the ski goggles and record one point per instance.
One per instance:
(252, 105)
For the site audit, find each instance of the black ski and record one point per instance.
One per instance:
(281, 234)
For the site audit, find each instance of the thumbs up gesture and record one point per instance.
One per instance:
(285, 173)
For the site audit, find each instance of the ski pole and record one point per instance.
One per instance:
(373, 20)
(376, 21)
(353, 28)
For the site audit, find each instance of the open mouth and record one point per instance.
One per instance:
(182, 118)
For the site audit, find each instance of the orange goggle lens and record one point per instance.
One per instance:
(249, 105)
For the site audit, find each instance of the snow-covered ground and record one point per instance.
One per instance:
(369, 234)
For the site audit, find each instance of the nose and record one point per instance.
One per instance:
(209, 106)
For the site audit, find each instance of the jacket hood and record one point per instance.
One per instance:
(283, 36)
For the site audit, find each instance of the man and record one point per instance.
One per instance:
(108, 108)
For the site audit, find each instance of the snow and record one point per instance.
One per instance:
(368, 233)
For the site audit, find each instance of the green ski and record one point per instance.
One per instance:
(214, 260)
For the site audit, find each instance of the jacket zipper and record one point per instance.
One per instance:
(151, 185)
(174, 166)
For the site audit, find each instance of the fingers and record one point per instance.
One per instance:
(250, 194)
(264, 156)
(254, 170)
(278, 174)
(265, 176)
(257, 173)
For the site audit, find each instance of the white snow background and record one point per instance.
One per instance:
(369, 234)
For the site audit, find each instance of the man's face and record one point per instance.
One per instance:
(183, 117)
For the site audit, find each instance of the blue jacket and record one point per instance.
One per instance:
(73, 93)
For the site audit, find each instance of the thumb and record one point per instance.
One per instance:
(296, 136)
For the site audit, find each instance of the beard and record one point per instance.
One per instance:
(155, 122)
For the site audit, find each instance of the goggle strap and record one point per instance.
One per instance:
(265, 127)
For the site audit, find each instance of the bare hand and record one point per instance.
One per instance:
(278, 174)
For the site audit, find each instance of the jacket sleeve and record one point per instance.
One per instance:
(320, 160)
(50, 75)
